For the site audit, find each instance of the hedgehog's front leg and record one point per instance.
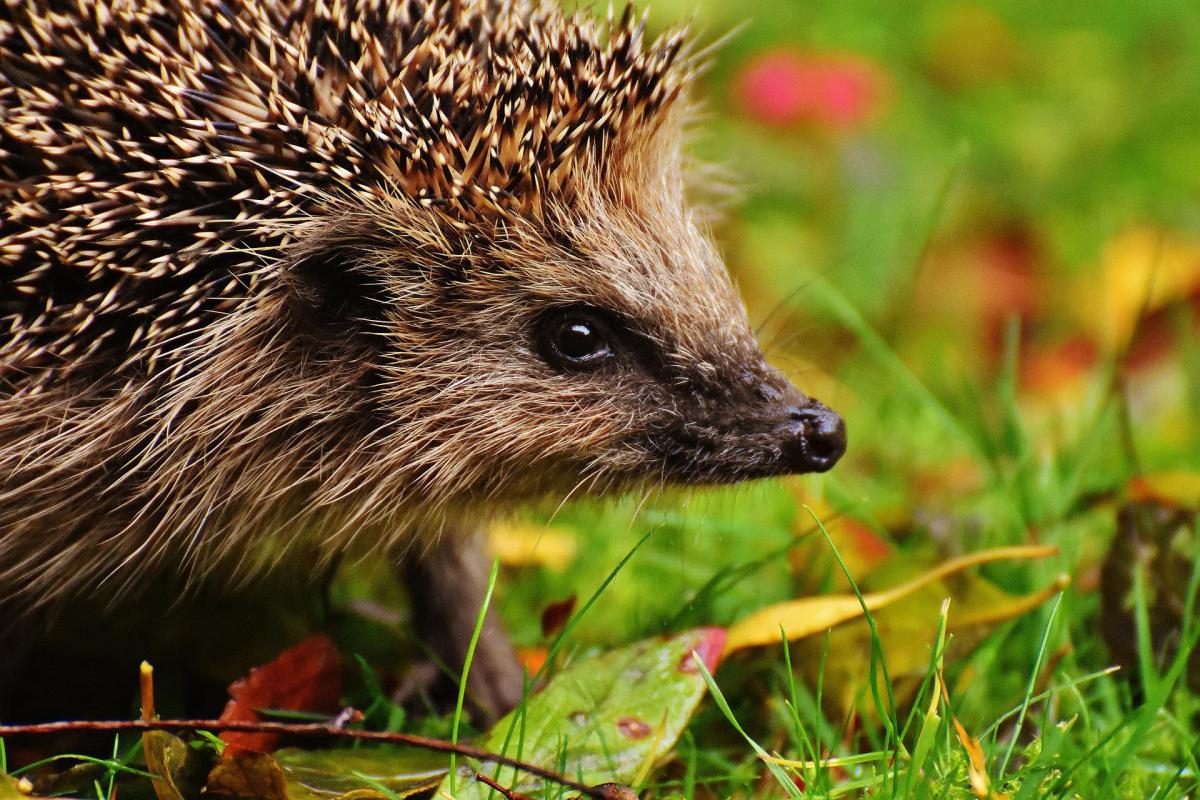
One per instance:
(447, 585)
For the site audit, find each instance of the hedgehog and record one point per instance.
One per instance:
(285, 280)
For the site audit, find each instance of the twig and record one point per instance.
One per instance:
(506, 792)
(296, 729)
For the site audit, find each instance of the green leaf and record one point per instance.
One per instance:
(397, 772)
(607, 719)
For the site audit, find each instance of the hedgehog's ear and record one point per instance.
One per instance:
(331, 288)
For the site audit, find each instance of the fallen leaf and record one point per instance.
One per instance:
(14, 788)
(247, 774)
(520, 545)
(615, 791)
(306, 677)
(360, 773)
(906, 630)
(179, 770)
(1011, 283)
(1179, 488)
(809, 615)
(601, 719)
(1008, 607)
(906, 635)
(555, 616)
(1142, 269)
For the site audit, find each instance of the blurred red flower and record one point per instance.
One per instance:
(838, 92)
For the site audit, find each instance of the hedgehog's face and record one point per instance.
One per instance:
(612, 353)
(719, 418)
(638, 325)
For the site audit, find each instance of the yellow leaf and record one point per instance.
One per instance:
(15, 788)
(1178, 488)
(520, 544)
(1143, 267)
(1010, 609)
(809, 615)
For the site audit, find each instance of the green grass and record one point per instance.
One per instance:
(466, 670)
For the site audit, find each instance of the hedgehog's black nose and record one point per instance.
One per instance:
(814, 438)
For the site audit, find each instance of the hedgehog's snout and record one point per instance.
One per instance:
(813, 437)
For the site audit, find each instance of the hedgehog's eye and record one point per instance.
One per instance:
(575, 338)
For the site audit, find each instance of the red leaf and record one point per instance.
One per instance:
(709, 648)
(306, 677)
(556, 615)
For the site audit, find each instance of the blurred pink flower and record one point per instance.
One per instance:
(833, 91)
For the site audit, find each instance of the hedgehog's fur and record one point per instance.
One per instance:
(270, 272)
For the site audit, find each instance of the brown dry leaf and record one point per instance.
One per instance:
(180, 769)
(306, 677)
(165, 757)
(555, 616)
(246, 774)
(521, 544)
(810, 615)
